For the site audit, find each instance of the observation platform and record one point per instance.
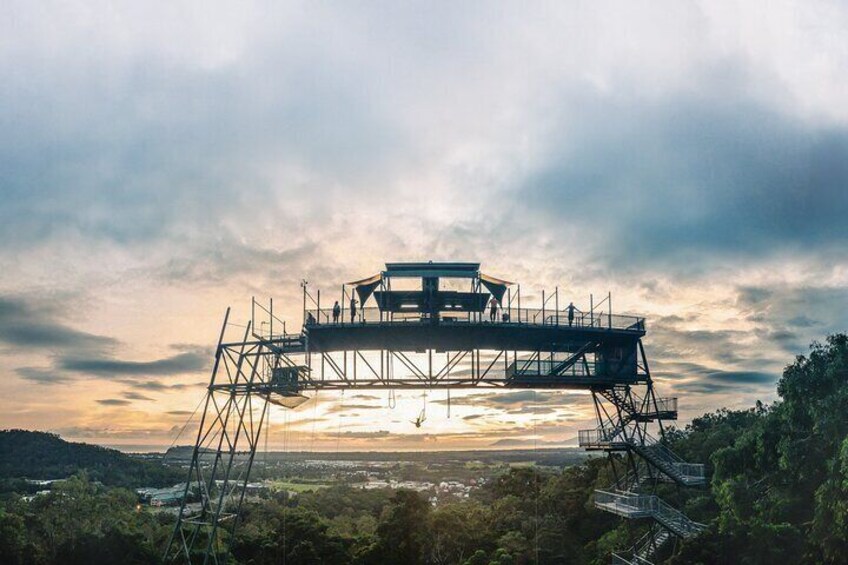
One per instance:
(475, 319)
(522, 330)
(436, 317)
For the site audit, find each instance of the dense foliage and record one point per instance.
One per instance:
(39, 455)
(79, 522)
(780, 482)
(778, 493)
(525, 516)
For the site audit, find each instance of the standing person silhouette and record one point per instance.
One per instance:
(337, 310)
(493, 309)
(570, 314)
(352, 309)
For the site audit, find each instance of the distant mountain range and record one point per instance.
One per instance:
(40, 455)
(530, 444)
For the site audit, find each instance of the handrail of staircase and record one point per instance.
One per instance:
(684, 467)
(686, 524)
(643, 542)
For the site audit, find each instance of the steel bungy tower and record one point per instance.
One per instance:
(439, 339)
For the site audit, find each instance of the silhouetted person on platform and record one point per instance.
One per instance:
(337, 310)
(571, 314)
(493, 309)
(352, 309)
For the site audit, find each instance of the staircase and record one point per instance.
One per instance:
(676, 521)
(635, 505)
(618, 559)
(665, 460)
(639, 409)
(652, 543)
(645, 549)
(652, 451)
(624, 428)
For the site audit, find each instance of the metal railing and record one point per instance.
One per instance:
(689, 472)
(650, 544)
(634, 560)
(528, 316)
(600, 437)
(675, 519)
(627, 504)
(633, 505)
(545, 367)
(664, 405)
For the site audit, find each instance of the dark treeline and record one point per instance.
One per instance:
(778, 493)
(40, 455)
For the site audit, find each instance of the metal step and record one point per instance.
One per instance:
(645, 549)
(661, 457)
(635, 505)
(657, 454)
(652, 543)
(618, 559)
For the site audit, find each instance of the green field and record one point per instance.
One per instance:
(297, 486)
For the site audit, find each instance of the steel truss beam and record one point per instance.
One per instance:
(243, 382)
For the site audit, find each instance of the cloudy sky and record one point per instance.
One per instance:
(162, 161)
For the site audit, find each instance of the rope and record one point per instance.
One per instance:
(314, 413)
(286, 505)
(185, 425)
(536, 478)
(339, 430)
(265, 448)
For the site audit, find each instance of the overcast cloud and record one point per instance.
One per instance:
(161, 161)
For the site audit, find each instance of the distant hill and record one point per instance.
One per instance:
(529, 443)
(40, 455)
(185, 453)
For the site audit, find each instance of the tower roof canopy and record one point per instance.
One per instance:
(431, 269)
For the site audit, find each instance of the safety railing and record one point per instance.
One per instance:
(664, 408)
(633, 560)
(601, 438)
(650, 544)
(664, 405)
(627, 504)
(511, 316)
(692, 471)
(689, 473)
(545, 367)
(650, 448)
(675, 519)
(633, 505)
